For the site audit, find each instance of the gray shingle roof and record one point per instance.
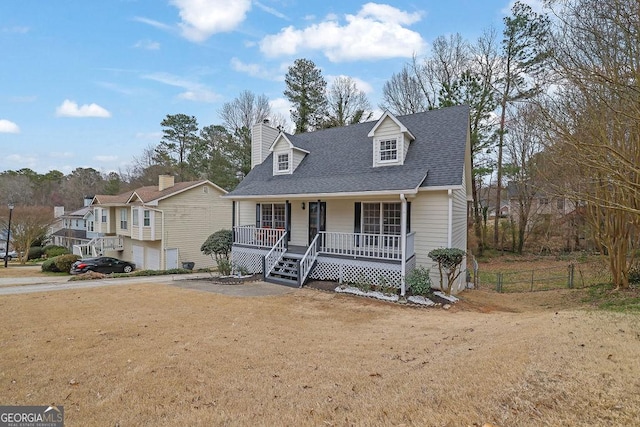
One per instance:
(340, 159)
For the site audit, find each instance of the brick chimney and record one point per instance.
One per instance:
(165, 181)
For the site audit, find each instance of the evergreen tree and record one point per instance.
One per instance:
(306, 90)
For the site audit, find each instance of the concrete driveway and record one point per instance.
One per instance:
(198, 282)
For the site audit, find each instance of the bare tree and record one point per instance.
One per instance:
(238, 117)
(28, 224)
(402, 94)
(523, 144)
(593, 120)
(346, 104)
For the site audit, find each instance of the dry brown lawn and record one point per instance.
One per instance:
(15, 269)
(162, 355)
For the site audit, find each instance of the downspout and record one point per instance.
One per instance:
(403, 244)
(450, 220)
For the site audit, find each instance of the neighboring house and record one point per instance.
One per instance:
(159, 227)
(361, 203)
(74, 228)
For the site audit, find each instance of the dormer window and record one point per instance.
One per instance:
(388, 150)
(283, 162)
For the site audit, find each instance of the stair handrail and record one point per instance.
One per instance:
(274, 255)
(307, 261)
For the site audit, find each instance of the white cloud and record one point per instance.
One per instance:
(7, 126)
(25, 161)
(16, 30)
(202, 18)
(536, 5)
(271, 10)
(71, 109)
(147, 44)
(280, 106)
(360, 84)
(153, 23)
(62, 155)
(377, 31)
(105, 158)
(155, 136)
(194, 91)
(256, 70)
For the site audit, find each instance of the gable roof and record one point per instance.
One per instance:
(385, 115)
(339, 159)
(151, 194)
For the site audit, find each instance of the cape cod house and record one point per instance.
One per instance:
(159, 227)
(365, 202)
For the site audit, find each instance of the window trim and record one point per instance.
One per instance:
(276, 221)
(381, 218)
(283, 162)
(124, 219)
(146, 218)
(389, 150)
(135, 218)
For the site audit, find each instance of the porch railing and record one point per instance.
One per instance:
(274, 255)
(307, 260)
(97, 246)
(380, 246)
(250, 235)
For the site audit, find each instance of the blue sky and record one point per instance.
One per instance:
(87, 83)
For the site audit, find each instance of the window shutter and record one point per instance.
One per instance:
(357, 227)
(257, 215)
(408, 217)
(288, 221)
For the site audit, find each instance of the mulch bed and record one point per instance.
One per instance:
(231, 280)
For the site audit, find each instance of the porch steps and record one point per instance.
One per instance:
(286, 271)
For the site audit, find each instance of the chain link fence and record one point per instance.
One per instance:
(573, 275)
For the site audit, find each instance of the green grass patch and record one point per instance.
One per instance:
(606, 297)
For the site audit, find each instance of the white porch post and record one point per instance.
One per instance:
(450, 220)
(403, 244)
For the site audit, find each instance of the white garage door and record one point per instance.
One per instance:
(138, 257)
(152, 259)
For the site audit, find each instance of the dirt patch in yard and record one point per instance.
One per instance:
(161, 355)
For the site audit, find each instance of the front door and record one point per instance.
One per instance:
(317, 218)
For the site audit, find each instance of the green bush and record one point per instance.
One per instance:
(224, 267)
(218, 245)
(64, 262)
(35, 252)
(419, 281)
(49, 265)
(449, 263)
(53, 250)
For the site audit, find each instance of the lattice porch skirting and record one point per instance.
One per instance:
(330, 268)
(359, 271)
(249, 258)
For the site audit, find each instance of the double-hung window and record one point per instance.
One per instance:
(104, 216)
(388, 150)
(381, 218)
(146, 215)
(134, 217)
(272, 215)
(123, 218)
(283, 162)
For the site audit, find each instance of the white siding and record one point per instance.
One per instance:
(297, 158)
(262, 136)
(388, 129)
(299, 223)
